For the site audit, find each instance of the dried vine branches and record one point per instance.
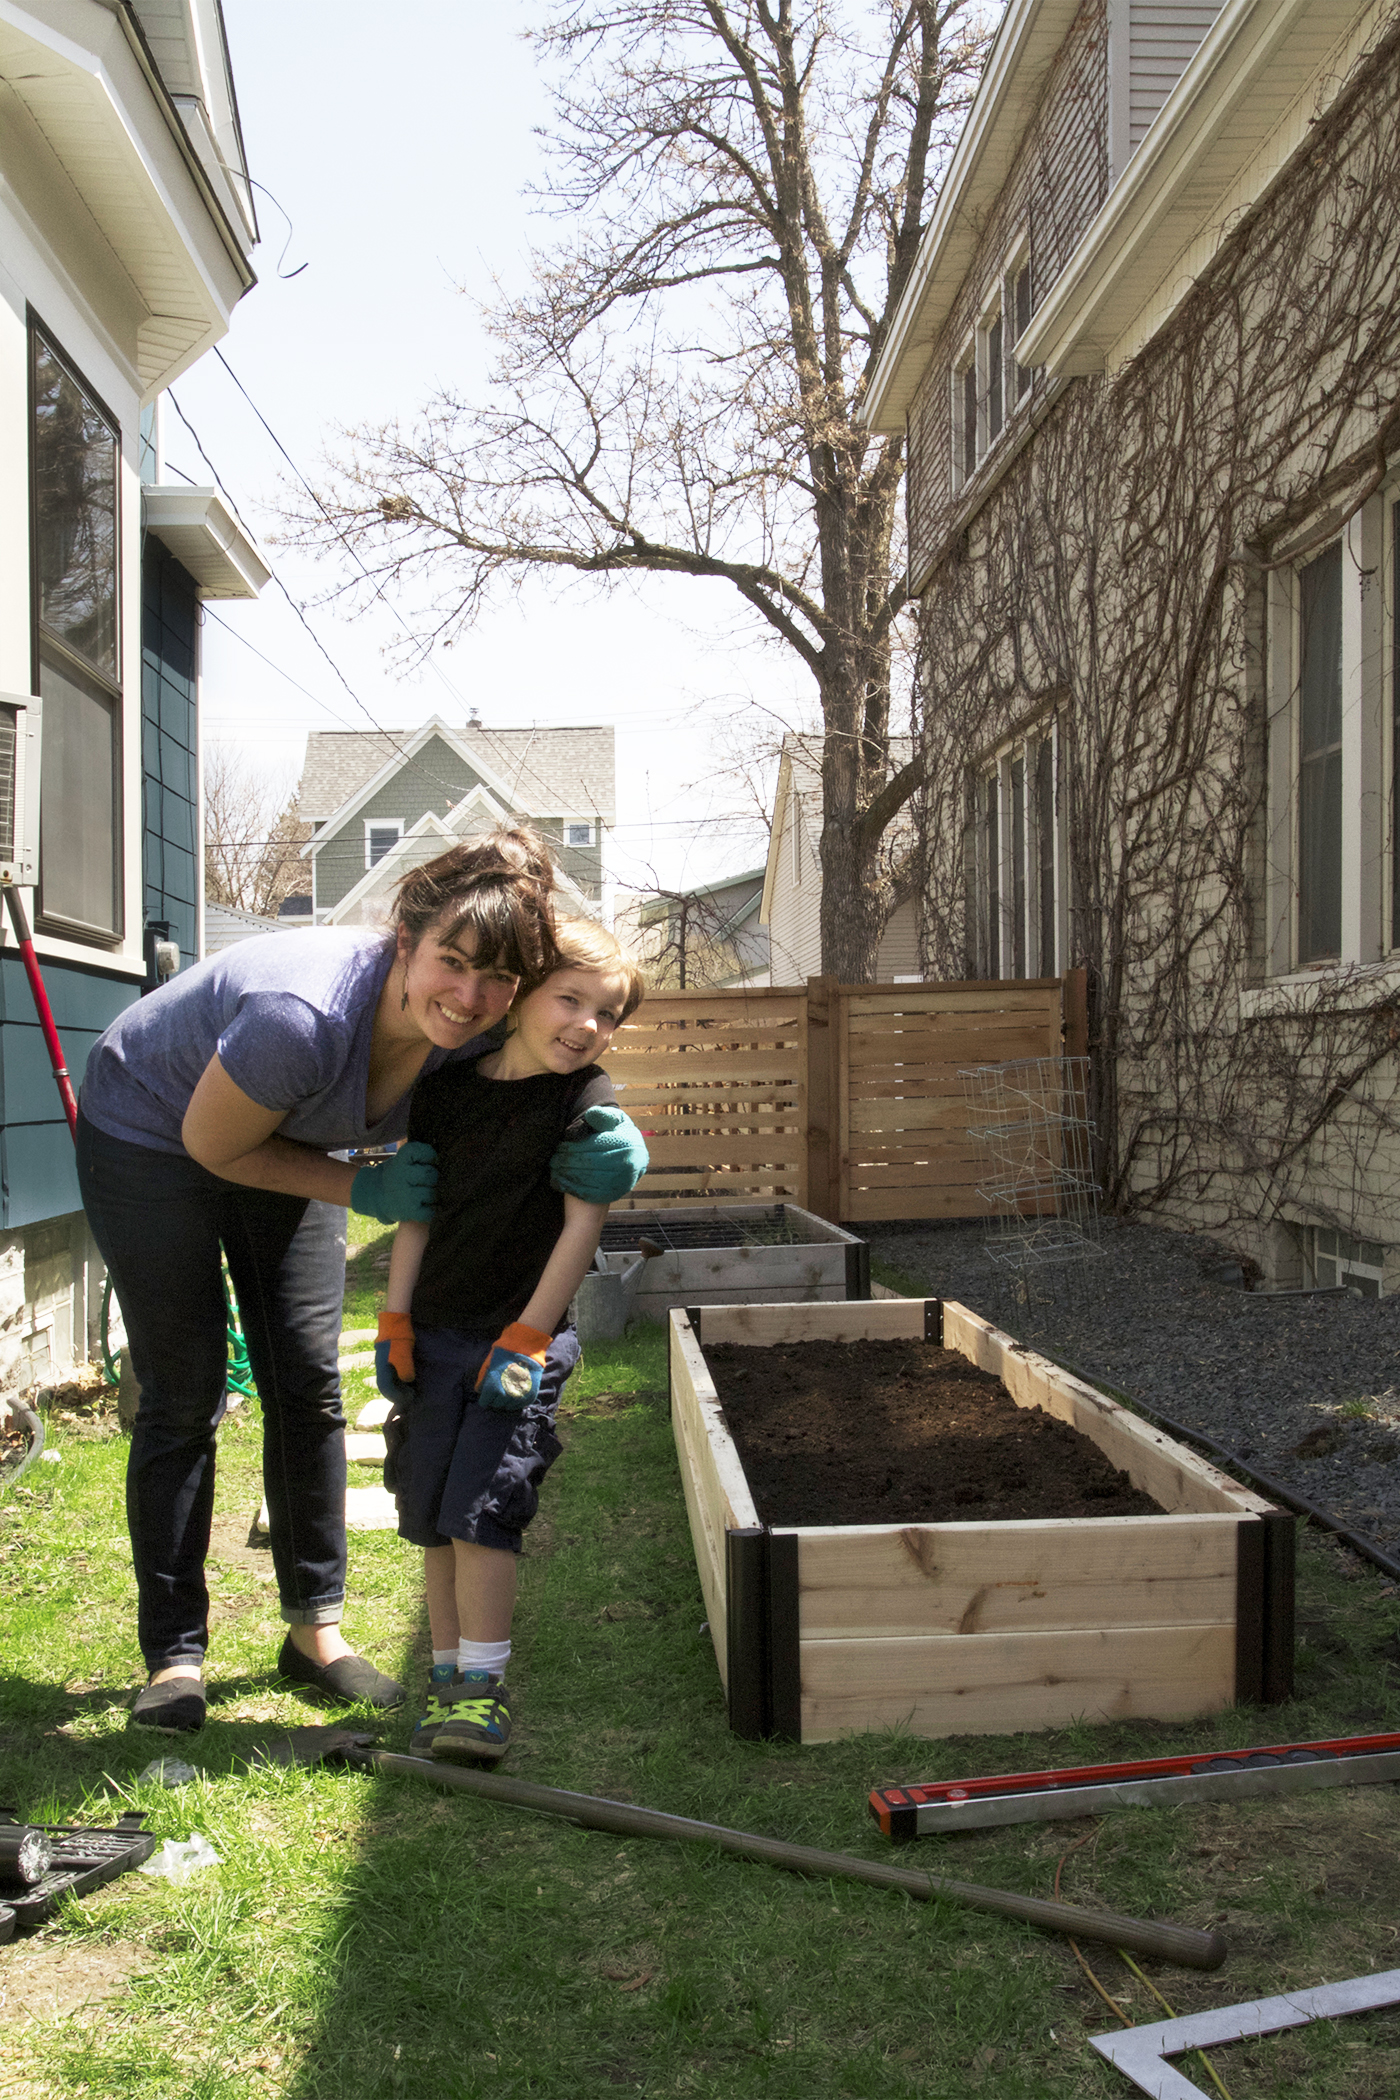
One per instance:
(1118, 575)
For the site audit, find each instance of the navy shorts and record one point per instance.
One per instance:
(462, 1471)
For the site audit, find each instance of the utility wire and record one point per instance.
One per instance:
(378, 588)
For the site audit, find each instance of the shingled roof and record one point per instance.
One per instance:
(550, 772)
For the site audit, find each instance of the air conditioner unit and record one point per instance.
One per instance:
(21, 715)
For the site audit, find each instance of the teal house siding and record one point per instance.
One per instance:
(37, 1177)
(170, 747)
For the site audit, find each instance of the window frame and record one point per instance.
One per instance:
(1015, 918)
(66, 662)
(373, 824)
(585, 824)
(1368, 830)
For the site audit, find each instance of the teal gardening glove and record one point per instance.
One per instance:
(605, 1165)
(400, 1188)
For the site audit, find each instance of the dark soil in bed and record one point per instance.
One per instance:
(896, 1432)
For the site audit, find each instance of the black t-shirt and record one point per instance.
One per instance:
(497, 1218)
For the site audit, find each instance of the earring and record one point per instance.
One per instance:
(403, 1003)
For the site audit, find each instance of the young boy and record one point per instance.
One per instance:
(474, 1345)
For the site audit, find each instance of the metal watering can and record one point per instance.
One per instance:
(605, 1298)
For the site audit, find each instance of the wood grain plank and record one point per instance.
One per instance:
(1001, 1683)
(1052, 1575)
(860, 1320)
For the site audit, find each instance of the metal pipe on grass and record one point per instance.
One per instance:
(1165, 1942)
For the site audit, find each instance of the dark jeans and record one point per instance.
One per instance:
(160, 1221)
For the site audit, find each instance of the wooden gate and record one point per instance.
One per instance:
(843, 1098)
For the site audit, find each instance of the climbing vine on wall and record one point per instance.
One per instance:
(1117, 577)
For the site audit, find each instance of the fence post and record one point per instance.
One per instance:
(823, 1107)
(1076, 1012)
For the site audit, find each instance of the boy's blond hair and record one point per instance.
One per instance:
(582, 944)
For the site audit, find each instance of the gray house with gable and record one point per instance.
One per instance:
(380, 803)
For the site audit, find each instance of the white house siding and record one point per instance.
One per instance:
(1164, 41)
(794, 928)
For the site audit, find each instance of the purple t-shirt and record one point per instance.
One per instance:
(289, 1016)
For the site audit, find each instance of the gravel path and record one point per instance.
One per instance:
(1306, 1390)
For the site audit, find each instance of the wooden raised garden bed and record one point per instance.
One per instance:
(977, 1628)
(737, 1253)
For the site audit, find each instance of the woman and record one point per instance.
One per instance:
(207, 1114)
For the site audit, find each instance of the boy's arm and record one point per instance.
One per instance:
(405, 1260)
(567, 1265)
(394, 1367)
(510, 1376)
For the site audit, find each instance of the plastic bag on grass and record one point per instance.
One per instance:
(176, 1861)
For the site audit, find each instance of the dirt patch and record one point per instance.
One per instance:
(49, 1979)
(893, 1432)
(228, 1544)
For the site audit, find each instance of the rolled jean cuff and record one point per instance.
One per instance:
(188, 1659)
(313, 1614)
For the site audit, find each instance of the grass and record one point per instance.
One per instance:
(366, 1936)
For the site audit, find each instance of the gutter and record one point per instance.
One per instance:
(144, 57)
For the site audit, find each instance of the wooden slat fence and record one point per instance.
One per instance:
(718, 1080)
(843, 1098)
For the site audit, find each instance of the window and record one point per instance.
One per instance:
(578, 834)
(1019, 301)
(965, 417)
(993, 365)
(1320, 757)
(1332, 1258)
(1331, 892)
(1019, 860)
(75, 451)
(382, 834)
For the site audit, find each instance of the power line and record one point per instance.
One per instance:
(378, 587)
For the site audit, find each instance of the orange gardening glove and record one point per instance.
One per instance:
(510, 1377)
(394, 1369)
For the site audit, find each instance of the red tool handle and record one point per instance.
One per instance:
(15, 906)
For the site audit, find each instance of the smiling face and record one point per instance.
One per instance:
(450, 1000)
(565, 1024)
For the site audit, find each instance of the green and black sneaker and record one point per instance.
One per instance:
(436, 1708)
(475, 1724)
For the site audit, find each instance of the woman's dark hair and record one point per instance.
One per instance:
(497, 890)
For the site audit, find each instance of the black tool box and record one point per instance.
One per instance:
(81, 1860)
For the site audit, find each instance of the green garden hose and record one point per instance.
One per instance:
(240, 1373)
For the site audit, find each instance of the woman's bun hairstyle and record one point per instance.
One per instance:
(497, 890)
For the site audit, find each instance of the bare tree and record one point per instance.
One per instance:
(745, 184)
(688, 940)
(252, 834)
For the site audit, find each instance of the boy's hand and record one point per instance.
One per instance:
(398, 1188)
(510, 1377)
(605, 1165)
(394, 1368)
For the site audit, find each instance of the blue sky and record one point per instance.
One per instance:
(399, 141)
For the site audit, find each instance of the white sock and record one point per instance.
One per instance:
(490, 1656)
(443, 1656)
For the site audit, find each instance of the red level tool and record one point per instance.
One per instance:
(904, 1812)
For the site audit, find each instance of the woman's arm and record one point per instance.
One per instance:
(567, 1265)
(405, 1260)
(235, 1138)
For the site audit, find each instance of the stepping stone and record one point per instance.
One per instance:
(374, 1414)
(365, 1450)
(370, 1509)
(350, 1335)
(359, 1360)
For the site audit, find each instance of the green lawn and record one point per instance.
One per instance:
(368, 1936)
